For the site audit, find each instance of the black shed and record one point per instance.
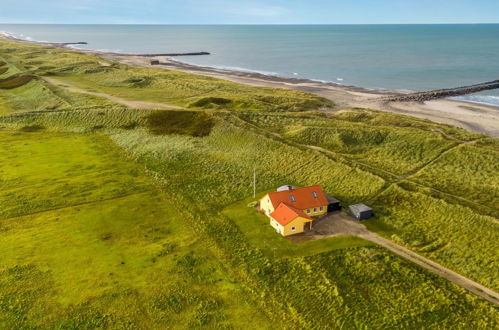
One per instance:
(361, 211)
(333, 204)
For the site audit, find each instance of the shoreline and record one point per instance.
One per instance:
(472, 116)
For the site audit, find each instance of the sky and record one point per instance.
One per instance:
(249, 12)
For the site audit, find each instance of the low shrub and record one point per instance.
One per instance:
(211, 102)
(32, 128)
(191, 123)
(253, 204)
(131, 125)
(134, 81)
(15, 81)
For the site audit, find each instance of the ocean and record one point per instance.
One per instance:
(401, 57)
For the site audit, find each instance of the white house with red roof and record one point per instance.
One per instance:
(291, 209)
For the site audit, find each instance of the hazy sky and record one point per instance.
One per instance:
(249, 12)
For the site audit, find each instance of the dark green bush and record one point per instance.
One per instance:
(15, 81)
(32, 128)
(191, 123)
(211, 102)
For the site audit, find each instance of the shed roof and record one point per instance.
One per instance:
(300, 198)
(284, 214)
(360, 208)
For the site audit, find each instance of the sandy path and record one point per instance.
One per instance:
(128, 103)
(339, 224)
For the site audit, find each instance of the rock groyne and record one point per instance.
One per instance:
(443, 93)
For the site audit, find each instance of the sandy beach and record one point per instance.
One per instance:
(470, 116)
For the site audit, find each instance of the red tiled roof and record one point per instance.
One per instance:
(284, 214)
(301, 198)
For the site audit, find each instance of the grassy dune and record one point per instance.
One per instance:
(149, 84)
(458, 237)
(475, 174)
(134, 218)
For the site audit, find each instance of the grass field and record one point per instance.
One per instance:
(131, 218)
(108, 249)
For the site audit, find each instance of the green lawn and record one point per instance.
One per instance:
(260, 234)
(87, 241)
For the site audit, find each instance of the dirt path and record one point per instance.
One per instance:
(116, 99)
(338, 224)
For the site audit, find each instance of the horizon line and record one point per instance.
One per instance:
(256, 24)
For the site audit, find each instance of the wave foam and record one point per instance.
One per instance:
(481, 99)
(228, 68)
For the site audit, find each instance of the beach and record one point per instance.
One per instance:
(474, 117)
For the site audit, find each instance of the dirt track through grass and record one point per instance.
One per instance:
(116, 99)
(338, 224)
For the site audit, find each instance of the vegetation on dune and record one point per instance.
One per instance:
(90, 241)
(475, 174)
(15, 81)
(80, 120)
(221, 164)
(138, 83)
(33, 96)
(396, 144)
(456, 236)
(193, 123)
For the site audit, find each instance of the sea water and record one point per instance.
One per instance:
(402, 57)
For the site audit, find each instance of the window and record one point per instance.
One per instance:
(321, 208)
(315, 210)
(314, 194)
(308, 211)
(292, 198)
(293, 228)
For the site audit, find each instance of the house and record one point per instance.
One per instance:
(361, 211)
(288, 220)
(291, 209)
